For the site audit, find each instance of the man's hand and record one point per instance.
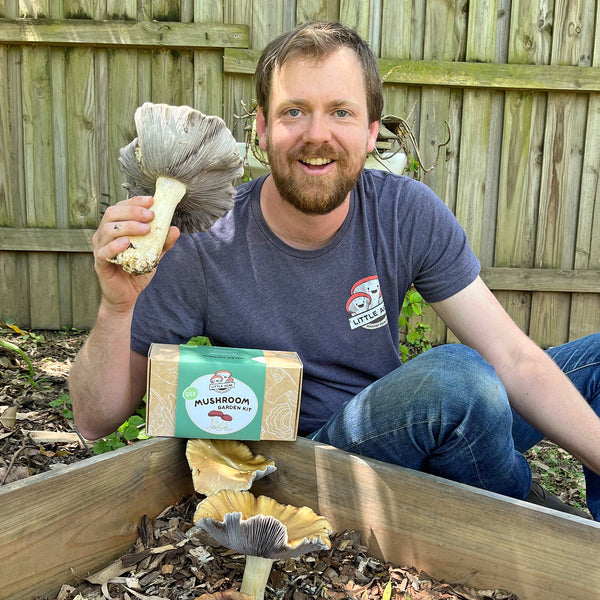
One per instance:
(126, 218)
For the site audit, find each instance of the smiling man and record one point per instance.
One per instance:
(316, 258)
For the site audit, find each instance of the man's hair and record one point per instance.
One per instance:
(318, 39)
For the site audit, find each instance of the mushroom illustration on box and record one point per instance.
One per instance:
(208, 392)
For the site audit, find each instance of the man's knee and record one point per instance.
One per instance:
(458, 381)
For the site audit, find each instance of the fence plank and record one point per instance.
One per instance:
(22, 239)
(6, 161)
(317, 10)
(522, 143)
(145, 34)
(121, 9)
(356, 15)
(395, 42)
(38, 135)
(84, 290)
(82, 150)
(238, 89)
(459, 74)
(478, 174)
(436, 110)
(555, 247)
(208, 65)
(585, 308)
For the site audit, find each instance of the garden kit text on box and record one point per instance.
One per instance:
(230, 393)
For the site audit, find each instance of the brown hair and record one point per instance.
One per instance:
(318, 39)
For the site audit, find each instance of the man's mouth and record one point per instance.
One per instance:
(316, 162)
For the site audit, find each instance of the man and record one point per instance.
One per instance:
(316, 258)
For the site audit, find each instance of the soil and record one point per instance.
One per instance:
(37, 435)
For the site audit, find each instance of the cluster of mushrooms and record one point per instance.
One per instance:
(258, 527)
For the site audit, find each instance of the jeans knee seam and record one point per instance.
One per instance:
(473, 459)
(578, 368)
(379, 435)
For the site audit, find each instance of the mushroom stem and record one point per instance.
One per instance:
(145, 251)
(256, 575)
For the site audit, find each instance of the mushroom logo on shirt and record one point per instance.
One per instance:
(365, 304)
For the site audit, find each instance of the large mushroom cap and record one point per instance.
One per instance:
(261, 526)
(196, 149)
(224, 464)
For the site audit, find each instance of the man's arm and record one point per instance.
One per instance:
(536, 387)
(107, 380)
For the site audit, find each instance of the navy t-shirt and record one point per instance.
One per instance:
(337, 306)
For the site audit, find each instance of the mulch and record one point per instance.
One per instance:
(169, 561)
(36, 437)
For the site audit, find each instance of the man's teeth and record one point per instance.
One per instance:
(317, 161)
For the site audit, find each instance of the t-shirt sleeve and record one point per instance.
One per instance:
(171, 308)
(440, 257)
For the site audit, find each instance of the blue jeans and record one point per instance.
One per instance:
(446, 412)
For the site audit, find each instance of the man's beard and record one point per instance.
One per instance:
(314, 194)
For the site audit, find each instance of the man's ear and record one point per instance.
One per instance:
(261, 129)
(372, 136)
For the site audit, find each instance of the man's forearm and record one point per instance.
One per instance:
(546, 398)
(100, 378)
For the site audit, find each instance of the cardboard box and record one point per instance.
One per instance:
(232, 393)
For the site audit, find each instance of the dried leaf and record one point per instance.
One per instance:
(15, 474)
(9, 417)
(115, 569)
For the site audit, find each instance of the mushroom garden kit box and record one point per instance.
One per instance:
(230, 393)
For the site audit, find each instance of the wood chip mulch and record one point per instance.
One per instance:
(167, 562)
(35, 436)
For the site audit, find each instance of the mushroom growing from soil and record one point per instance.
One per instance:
(263, 530)
(188, 162)
(224, 464)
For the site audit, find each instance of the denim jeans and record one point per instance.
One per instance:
(446, 412)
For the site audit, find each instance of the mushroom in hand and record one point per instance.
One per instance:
(187, 161)
(263, 530)
(224, 464)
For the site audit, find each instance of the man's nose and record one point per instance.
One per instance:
(318, 130)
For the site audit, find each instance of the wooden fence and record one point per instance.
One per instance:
(517, 83)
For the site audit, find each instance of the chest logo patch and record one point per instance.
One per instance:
(365, 305)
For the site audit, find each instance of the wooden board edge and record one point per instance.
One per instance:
(62, 525)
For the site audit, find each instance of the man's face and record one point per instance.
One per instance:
(318, 135)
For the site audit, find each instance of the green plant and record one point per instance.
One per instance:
(415, 340)
(65, 406)
(198, 340)
(130, 431)
(10, 346)
(558, 472)
(414, 166)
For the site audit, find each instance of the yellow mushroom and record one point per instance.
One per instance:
(224, 465)
(263, 530)
(188, 162)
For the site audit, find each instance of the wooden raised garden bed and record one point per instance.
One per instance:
(79, 519)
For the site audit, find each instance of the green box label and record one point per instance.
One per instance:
(220, 392)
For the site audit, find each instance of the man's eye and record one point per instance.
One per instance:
(340, 112)
(293, 112)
